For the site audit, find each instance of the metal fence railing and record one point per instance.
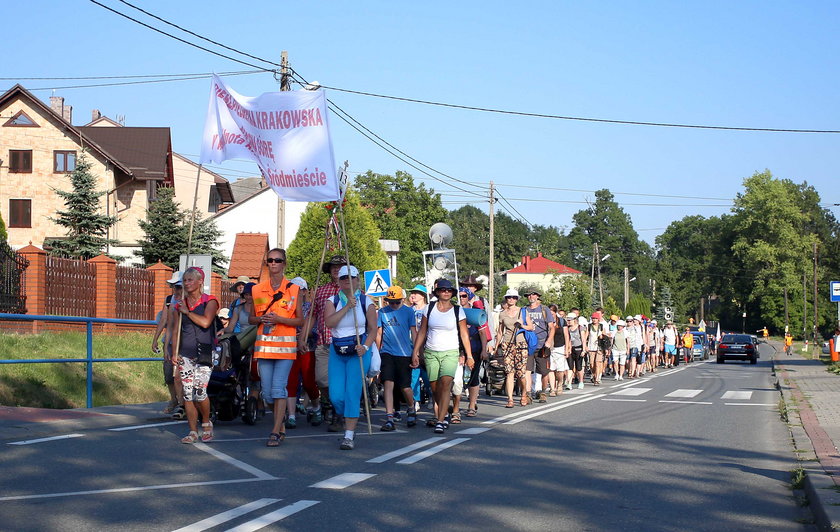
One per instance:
(88, 360)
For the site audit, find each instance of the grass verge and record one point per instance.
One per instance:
(62, 385)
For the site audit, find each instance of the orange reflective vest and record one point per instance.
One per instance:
(277, 341)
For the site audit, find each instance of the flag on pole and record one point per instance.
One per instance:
(285, 133)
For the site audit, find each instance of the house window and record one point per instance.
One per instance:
(20, 213)
(20, 161)
(64, 161)
(215, 199)
(20, 119)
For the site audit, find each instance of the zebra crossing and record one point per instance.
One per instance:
(688, 396)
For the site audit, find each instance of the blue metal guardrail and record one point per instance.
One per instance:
(89, 360)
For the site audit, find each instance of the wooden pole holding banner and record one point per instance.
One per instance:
(177, 345)
(355, 319)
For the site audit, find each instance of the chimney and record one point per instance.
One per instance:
(95, 115)
(68, 113)
(57, 105)
(539, 254)
(525, 260)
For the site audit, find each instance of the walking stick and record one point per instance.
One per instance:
(356, 322)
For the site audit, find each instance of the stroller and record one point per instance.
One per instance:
(229, 388)
(494, 374)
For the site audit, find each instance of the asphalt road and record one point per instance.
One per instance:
(699, 447)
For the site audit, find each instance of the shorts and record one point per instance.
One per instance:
(619, 356)
(168, 375)
(396, 369)
(595, 356)
(558, 360)
(475, 376)
(441, 363)
(194, 379)
(530, 364)
(577, 358)
(634, 354)
(541, 365)
(670, 349)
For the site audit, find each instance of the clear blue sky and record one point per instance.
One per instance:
(746, 64)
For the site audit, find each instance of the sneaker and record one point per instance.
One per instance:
(347, 444)
(440, 428)
(580, 386)
(542, 398)
(397, 417)
(291, 423)
(568, 386)
(388, 426)
(616, 378)
(411, 418)
(317, 418)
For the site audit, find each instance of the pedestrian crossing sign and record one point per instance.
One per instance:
(835, 291)
(377, 282)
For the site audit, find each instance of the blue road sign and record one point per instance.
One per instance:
(835, 291)
(377, 282)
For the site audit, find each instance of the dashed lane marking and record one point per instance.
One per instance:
(273, 517)
(473, 431)
(135, 427)
(737, 395)
(633, 392)
(40, 440)
(405, 450)
(624, 400)
(229, 515)
(434, 450)
(687, 402)
(751, 404)
(344, 480)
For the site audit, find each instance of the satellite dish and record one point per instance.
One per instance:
(440, 234)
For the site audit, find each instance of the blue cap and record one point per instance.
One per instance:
(420, 288)
(443, 283)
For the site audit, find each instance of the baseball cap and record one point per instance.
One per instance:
(621, 323)
(301, 282)
(613, 317)
(351, 270)
(176, 277)
(395, 293)
(224, 313)
(596, 316)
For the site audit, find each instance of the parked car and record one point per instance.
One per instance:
(700, 351)
(737, 347)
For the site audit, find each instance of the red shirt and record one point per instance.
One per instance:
(324, 293)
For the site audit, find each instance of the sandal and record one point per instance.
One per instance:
(525, 401)
(411, 418)
(509, 403)
(440, 428)
(275, 438)
(192, 437)
(206, 435)
(471, 412)
(456, 418)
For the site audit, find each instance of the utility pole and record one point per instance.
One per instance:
(804, 306)
(592, 276)
(816, 314)
(285, 85)
(600, 286)
(626, 288)
(491, 276)
(786, 311)
(703, 308)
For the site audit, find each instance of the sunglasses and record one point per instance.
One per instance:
(463, 295)
(445, 290)
(275, 261)
(345, 277)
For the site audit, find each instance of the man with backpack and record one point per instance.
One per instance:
(395, 338)
(538, 360)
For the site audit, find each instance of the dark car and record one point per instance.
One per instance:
(737, 347)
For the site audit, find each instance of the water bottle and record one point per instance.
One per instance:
(267, 329)
(467, 373)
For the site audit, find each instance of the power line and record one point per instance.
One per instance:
(614, 193)
(112, 10)
(144, 82)
(199, 36)
(127, 76)
(622, 204)
(579, 118)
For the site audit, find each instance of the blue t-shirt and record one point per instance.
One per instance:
(396, 330)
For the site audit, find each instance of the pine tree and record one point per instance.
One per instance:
(205, 240)
(4, 235)
(165, 230)
(86, 227)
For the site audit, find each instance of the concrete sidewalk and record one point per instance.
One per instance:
(811, 396)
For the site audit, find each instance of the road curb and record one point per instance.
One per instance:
(819, 486)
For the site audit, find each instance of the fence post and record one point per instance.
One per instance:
(106, 288)
(89, 354)
(35, 280)
(216, 285)
(162, 289)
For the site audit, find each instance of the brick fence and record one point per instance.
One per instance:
(96, 288)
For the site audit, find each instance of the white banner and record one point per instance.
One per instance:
(286, 133)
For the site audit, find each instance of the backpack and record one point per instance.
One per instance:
(530, 336)
(362, 299)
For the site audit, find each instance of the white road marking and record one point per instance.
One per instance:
(134, 427)
(552, 409)
(344, 480)
(688, 402)
(737, 395)
(229, 515)
(633, 392)
(122, 490)
(750, 404)
(434, 450)
(318, 435)
(625, 400)
(51, 438)
(684, 393)
(473, 431)
(405, 450)
(535, 409)
(262, 475)
(273, 517)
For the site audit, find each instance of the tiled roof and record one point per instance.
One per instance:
(248, 255)
(145, 150)
(540, 264)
